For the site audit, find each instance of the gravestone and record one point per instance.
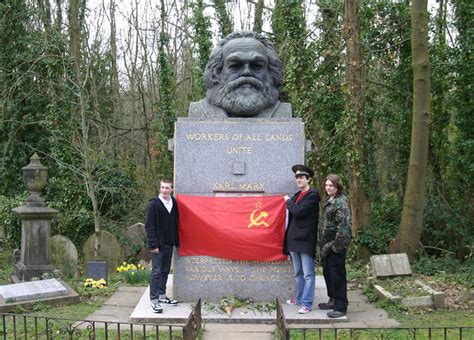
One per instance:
(64, 255)
(136, 242)
(32, 290)
(110, 251)
(97, 270)
(390, 265)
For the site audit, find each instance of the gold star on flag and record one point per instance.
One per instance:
(258, 205)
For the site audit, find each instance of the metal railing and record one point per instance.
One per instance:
(310, 332)
(15, 326)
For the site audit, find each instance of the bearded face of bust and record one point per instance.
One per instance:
(244, 87)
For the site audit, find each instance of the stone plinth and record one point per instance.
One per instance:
(235, 157)
(212, 278)
(35, 251)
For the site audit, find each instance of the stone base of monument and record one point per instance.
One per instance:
(180, 313)
(26, 294)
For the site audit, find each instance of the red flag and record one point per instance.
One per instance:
(236, 228)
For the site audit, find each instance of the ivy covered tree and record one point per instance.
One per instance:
(166, 111)
(203, 40)
(355, 122)
(411, 224)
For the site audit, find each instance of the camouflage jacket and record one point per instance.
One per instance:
(336, 219)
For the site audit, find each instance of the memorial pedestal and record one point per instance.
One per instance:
(235, 157)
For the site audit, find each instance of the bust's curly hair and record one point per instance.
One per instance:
(216, 60)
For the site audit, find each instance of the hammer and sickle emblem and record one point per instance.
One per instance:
(258, 220)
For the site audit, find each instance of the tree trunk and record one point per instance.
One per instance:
(80, 108)
(117, 104)
(258, 20)
(355, 74)
(411, 224)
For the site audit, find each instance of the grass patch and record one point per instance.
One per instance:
(6, 269)
(371, 334)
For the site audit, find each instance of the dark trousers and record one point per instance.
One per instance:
(334, 271)
(161, 265)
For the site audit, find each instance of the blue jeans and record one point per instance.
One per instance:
(303, 266)
(161, 265)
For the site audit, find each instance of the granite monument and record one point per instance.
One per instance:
(33, 259)
(238, 141)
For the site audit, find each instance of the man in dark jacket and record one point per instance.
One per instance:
(300, 237)
(162, 232)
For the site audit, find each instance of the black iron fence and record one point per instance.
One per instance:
(311, 332)
(15, 326)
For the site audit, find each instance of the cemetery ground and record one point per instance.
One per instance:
(457, 283)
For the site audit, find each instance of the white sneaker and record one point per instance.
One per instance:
(167, 301)
(155, 305)
(291, 302)
(304, 310)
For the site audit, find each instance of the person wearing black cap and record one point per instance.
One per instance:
(300, 237)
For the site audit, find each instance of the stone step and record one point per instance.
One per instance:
(219, 331)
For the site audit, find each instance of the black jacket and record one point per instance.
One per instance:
(161, 226)
(301, 234)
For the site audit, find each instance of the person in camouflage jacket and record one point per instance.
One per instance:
(335, 237)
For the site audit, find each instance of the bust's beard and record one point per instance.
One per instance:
(244, 97)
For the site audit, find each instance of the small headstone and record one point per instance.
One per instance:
(97, 270)
(32, 290)
(110, 251)
(136, 245)
(390, 265)
(64, 255)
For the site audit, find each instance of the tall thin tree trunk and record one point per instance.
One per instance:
(117, 104)
(81, 110)
(355, 107)
(411, 224)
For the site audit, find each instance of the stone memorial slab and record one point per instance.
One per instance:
(390, 265)
(236, 155)
(111, 251)
(64, 255)
(97, 270)
(33, 290)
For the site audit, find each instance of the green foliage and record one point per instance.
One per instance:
(203, 40)
(385, 220)
(166, 106)
(385, 31)
(446, 268)
(10, 221)
(447, 229)
(223, 18)
(134, 274)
